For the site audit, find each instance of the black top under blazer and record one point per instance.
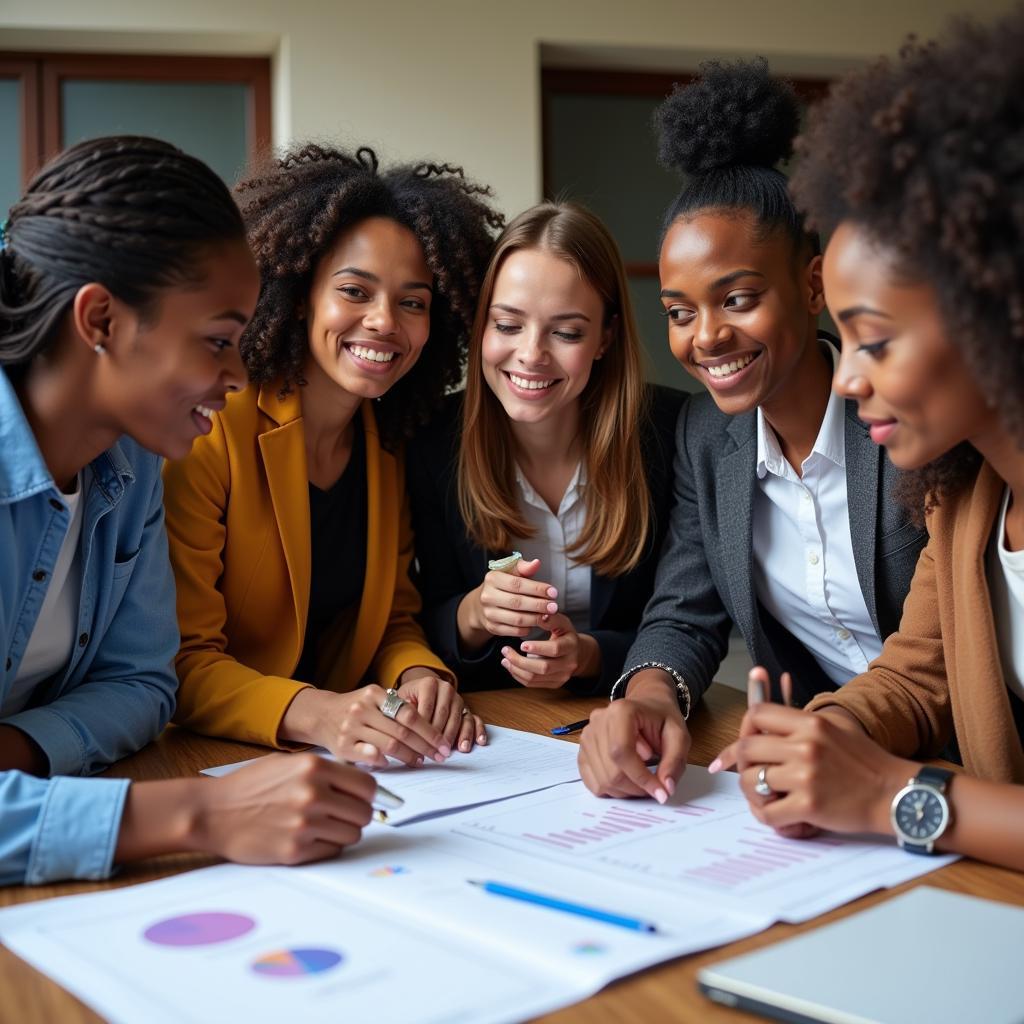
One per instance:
(705, 577)
(449, 564)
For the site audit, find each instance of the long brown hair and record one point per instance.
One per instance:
(618, 520)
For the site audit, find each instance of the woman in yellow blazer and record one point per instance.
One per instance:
(288, 524)
(930, 304)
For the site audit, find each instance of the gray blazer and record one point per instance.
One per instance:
(705, 576)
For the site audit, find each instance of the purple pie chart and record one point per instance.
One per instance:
(203, 929)
(295, 963)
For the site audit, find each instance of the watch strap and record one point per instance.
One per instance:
(937, 777)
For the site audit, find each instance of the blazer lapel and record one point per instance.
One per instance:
(863, 469)
(283, 449)
(735, 480)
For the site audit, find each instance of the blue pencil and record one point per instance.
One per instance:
(552, 903)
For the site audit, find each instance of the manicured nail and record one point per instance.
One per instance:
(505, 663)
(670, 785)
(368, 749)
(445, 749)
(660, 795)
(482, 739)
(552, 608)
(464, 746)
(419, 762)
(552, 592)
(525, 647)
(506, 651)
(715, 766)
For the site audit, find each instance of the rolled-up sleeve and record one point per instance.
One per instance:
(58, 828)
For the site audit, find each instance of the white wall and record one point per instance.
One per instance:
(458, 80)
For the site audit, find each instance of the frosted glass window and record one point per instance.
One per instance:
(10, 151)
(207, 120)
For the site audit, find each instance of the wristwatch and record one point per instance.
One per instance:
(920, 812)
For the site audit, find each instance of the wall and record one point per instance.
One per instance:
(458, 80)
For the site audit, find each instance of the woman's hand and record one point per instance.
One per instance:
(353, 727)
(439, 703)
(823, 772)
(623, 736)
(553, 662)
(284, 809)
(506, 604)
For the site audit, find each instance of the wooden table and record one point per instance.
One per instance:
(665, 993)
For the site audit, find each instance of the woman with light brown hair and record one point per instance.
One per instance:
(556, 449)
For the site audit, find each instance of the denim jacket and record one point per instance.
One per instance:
(117, 691)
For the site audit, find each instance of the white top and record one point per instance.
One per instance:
(554, 534)
(53, 636)
(804, 572)
(1006, 588)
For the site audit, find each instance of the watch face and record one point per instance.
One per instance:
(920, 814)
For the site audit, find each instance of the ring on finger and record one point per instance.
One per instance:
(391, 704)
(466, 711)
(761, 787)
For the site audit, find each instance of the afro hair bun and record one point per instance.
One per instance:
(732, 115)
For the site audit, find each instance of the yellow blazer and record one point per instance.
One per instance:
(942, 668)
(237, 512)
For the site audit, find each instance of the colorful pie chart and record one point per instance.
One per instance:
(294, 963)
(203, 929)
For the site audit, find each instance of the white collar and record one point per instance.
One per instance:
(572, 493)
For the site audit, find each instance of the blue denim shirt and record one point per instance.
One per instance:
(117, 691)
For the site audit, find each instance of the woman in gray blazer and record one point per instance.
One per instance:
(784, 522)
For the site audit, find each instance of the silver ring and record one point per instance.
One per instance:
(391, 704)
(466, 711)
(761, 787)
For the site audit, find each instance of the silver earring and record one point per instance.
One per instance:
(99, 348)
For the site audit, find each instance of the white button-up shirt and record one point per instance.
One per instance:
(554, 534)
(804, 572)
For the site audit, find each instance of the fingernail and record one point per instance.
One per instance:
(552, 608)
(670, 785)
(552, 592)
(445, 749)
(506, 651)
(368, 749)
(715, 766)
(464, 746)
(482, 739)
(419, 762)
(660, 795)
(524, 647)
(504, 663)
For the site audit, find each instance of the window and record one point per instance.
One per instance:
(217, 108)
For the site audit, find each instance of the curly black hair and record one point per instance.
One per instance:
(726, 131)
(295, 208)
(926, 155)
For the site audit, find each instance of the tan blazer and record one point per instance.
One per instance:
(942, 668)
(237, 515)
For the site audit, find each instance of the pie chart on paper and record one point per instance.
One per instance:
(295, 963)
(202, 929)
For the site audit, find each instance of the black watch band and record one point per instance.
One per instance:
(937, 777)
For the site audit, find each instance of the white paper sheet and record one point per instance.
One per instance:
(512, 763)
(703, 842)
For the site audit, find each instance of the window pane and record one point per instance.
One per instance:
(207, 120)
(10, 151)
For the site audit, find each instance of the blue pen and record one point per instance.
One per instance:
(564, 730)
(552, 903)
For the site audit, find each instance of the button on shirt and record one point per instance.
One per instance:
(554, 534)
(804, 570)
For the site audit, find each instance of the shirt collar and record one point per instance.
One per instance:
(830, 442)
(572, 493)
(23, 471)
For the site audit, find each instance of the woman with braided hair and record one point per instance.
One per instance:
(125, 282)
(288, 524)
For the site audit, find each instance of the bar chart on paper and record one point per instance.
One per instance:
(705, 840)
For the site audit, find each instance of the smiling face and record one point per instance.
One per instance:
(909, 380)
(545, 327)
(369, 308)
(163, 376)
(741, 309)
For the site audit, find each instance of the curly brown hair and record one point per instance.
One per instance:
(926, 155)
(294, 209)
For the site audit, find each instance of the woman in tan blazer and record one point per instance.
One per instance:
(924, 277)
(288, 524)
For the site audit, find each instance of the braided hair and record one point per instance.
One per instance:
(296, 207)
(127, 212)
(727, 132)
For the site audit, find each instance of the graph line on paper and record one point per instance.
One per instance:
(618, 821)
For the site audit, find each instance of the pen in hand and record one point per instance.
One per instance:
(384, 800)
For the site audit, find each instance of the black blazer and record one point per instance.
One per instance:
(449, 564)
(705, 576)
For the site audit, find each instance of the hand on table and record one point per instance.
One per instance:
(553, 662)
(440, 704)
(284, 809)
(624, 735)
(824, 773)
